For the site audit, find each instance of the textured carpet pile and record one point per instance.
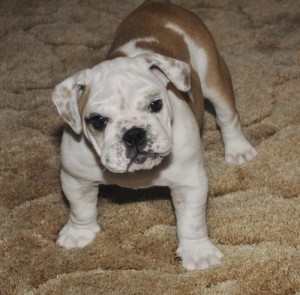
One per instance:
(253, 209)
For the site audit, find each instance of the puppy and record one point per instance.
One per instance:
(139, 111)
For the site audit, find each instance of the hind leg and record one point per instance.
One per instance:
(217, 88)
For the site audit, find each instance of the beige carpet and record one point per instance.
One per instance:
(254, 209)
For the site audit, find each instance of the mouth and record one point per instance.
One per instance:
(139, 157)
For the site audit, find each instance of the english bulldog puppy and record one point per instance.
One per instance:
(133, 120)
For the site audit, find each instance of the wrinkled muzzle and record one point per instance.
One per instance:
(135, 147)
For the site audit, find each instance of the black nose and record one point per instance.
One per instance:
(135, 137)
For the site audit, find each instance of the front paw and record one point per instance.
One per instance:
(239, 151)
(199, 254)
(72, 236)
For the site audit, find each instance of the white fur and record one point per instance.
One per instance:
(198, 56)
(130, 48)
(183, 171)
(120, 89)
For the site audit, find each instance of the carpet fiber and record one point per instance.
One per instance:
(253, 209)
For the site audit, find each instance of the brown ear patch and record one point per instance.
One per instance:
(83, 99)
(187, 81)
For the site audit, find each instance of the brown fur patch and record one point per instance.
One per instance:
(171, 43)
(83, 99)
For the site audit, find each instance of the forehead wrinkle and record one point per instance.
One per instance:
(152, 94)
(120, 87)
(103, 109)
(127, 90)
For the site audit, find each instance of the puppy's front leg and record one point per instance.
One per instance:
(82, 224)
(195, 249)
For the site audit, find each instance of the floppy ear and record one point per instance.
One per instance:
(169, 70)
(66, 96)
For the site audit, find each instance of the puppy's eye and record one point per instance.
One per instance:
(98, 122)
(155, 106)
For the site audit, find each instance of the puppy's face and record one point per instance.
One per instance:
(128, 119)
(124, 109)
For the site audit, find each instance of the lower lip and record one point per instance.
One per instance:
(143, 157)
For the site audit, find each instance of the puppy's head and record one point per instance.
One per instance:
(123, 108)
